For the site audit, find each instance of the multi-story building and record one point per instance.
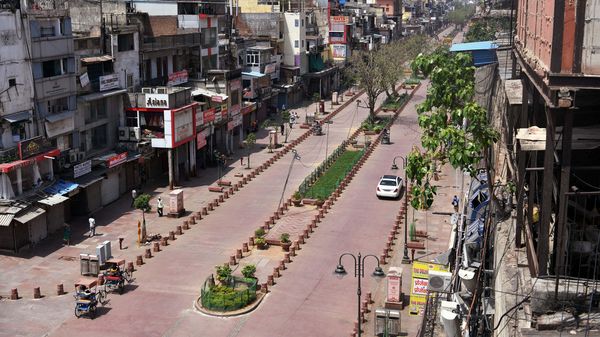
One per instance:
(556, 171)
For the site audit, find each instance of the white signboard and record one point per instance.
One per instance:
(109, 82)
(82, 169)
(157, 100)
(184, 124)
(84, 80)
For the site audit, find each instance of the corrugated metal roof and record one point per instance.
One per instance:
(61, 187)
(6, 219)
(470, 46)
(30, 214)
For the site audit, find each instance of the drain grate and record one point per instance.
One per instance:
(68, 258)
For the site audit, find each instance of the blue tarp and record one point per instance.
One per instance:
(482, 52)
(61, 187)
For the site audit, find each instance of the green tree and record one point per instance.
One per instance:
(250, 141)
(223, 273)
(142, 202)
(455, 129)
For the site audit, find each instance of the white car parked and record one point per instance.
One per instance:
(389, 187)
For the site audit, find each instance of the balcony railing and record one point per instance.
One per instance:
(173, 41)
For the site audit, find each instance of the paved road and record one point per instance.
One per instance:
(168, 284)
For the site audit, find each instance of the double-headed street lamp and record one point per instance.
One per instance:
(405, 258)
(359, 272)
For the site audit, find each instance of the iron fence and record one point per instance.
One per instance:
(233, 295)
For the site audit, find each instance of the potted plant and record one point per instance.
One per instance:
(260, 243)
(249, 270)
(297, 199)
(285, 241)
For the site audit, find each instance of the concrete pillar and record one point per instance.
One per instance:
(171, 173)
(19, 181)
(177, 174)
(50, 168)
(192, 148)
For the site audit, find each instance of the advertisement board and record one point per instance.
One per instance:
(157, 100)
(179, 77)
(82, 169)
(338, 51)
(109, 82)
(200, 140)
(33, 146)
(116, 160)
(184, 124)
(419, 283)
(209, 115)
(84, 79)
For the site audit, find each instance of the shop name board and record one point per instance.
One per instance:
(184, 124)
(84, 80)
(216, 98)
(235, 85)
(82, 169)
(200, 140)
(209, 115)
(157, 100)
(177, 78)
(339, 19)
(117, 159)
(33, 146)
(109, 82)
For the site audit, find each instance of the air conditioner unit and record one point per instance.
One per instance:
(135, 133)
(80, 156)
(123, 133)
(73, 157)
(440, 281)
(146, 90)
(161, 90)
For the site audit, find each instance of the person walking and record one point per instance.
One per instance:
(455, 203)
(92, 222)
(67, 235)
(133, 196)
(292, 121)
(282, 127)
(159, 207)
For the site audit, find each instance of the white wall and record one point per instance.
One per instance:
(128, 62)
(156, 8)
(291, 34)
(13, 64)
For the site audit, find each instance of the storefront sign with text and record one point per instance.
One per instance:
(117, 159)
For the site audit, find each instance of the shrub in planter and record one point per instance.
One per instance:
(297, 199)
(259, 233)
(249, 270)
(260, 243)
(223, 273)
(285, 241)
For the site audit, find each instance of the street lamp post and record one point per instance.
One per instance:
(405, 258)
(359, 272)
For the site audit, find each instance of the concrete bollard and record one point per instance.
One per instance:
(139, 260)
(300, 240)
(382, 259)
(309, 228)
(266, 225)
(226, 195)
(232, 261)
(264, 288)
(388, 245)
(370, 298)
(37, 292)
(221, 198)
(292, 251)
(60, 289)
(171, 235)
(216, 202)
(14, 294)
(164, 241)
(386, 252)
(192, 220)
(186, 225)
(236, 187)
(130, 267)
(391, 238)
(245, 247)
(198, 216)
(276, 215)
(270, 280)
(305, 233)
(286, 258)
(238, 254)
(251, 241)
(204, 210)
(365, 305)
(280, 211)
(178, 230)
(156, 247)
(282, 265)
(272, 220)
(210, 206)
(148, 253)
(276, 272)
(313, 223)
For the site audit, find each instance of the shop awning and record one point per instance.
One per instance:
(60, 116)
(53, 200)
(18, 117)
(253, 74)
(30, 214)
(61, 187)
(6, 219)
(90, 178)
(98, 95)
(96, 59)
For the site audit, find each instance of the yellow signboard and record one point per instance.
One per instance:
(419, 283)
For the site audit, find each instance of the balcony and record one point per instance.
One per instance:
(51, 47)
(55, 86)
(170, 42)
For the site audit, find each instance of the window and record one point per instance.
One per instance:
(296, 44)
(235, 97)
(52, 68)
(252, 58)
(99, 137)
(296, 23)
(130, 87)
(302, 22)
(12, 82)
(125, 42)
(209, 37)
(18, 131)
(47, 31)
(302, 43)
(148, 73)
(97, 110)
(58, 105)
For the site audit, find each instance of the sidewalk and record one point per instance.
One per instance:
(50, 263)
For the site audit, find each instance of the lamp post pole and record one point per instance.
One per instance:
(405, 258)
(359, 272)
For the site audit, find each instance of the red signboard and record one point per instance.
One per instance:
(176, 78)
(209, 115)
(216, 98)
(248, 109)
(394, 288)
(116, 159)
(200, 140)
